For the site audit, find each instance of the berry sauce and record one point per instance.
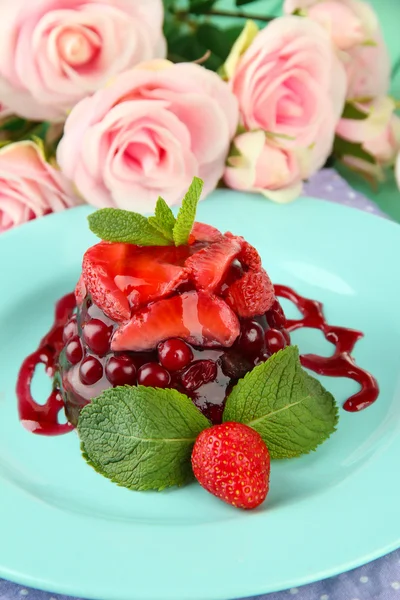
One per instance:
(341, 363)
(37, 418)
(76, 353)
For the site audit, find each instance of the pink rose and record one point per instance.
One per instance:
(368, 69)
(259, 165)
(349, 22)
(378, 135)
(29, 186)
(53, 53)
(291, 85)
(353, 27)
(148, 134)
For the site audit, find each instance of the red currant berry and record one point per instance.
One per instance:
(90, 370)
(97, 335)
(251, 338)
(153, 375)
(174, 354)
(275, 340)
(120, 370)
(73, 350)
(70, 329)
(276, 316)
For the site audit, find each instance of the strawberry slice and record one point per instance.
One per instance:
(201, 232)
(200, 319)
(251, 295)
(248, 255)
(123, 277)
(208, 267)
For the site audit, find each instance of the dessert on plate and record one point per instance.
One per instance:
(173, 358)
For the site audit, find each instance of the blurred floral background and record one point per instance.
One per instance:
(115, 102)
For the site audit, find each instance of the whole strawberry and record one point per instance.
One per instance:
(232, 462)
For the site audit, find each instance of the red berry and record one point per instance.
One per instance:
(275, 316)
(120, 370)
(70, 329)
(251, 339)
(286, 335)
(251, 295)
(174, 354)
(73, 350)
(199, 373)
(235, 365)
(97, 336)
(153, 375)
(90, 370)
(275, 340)
(232, 462)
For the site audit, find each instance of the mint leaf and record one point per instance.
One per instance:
(187, 213)
(115, 225)
(164, 220)
(291, 410)
(140, 437)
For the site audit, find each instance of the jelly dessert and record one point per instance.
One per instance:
(195, 317)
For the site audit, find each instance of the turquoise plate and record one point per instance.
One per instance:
(66, 529)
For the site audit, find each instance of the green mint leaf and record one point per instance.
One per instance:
(164, 220)
(140, 437)
(187, 213)
(115, 225)
(291, 410)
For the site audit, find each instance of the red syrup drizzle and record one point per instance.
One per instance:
(37, 418)
(341, 363)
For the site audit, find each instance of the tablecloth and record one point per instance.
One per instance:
(379, 580)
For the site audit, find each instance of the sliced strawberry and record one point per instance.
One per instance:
(202, 232)
(251, 295)
(208, 267)
(123, 277)
(197, 318)
(98, 263)
(248, 255)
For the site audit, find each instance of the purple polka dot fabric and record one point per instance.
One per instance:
(378, 580)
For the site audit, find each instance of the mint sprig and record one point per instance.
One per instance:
(116, 225)
(162, 229)
(187, 213)
(291, 410)
(140, 437)
(164, 220)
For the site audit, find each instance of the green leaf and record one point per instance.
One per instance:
(140, 437)
(352, 112)
(164, 220)
(201, 7)
(342, 147)
(115, 225)
(291, 410)
(218, 41)
(187, 213)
